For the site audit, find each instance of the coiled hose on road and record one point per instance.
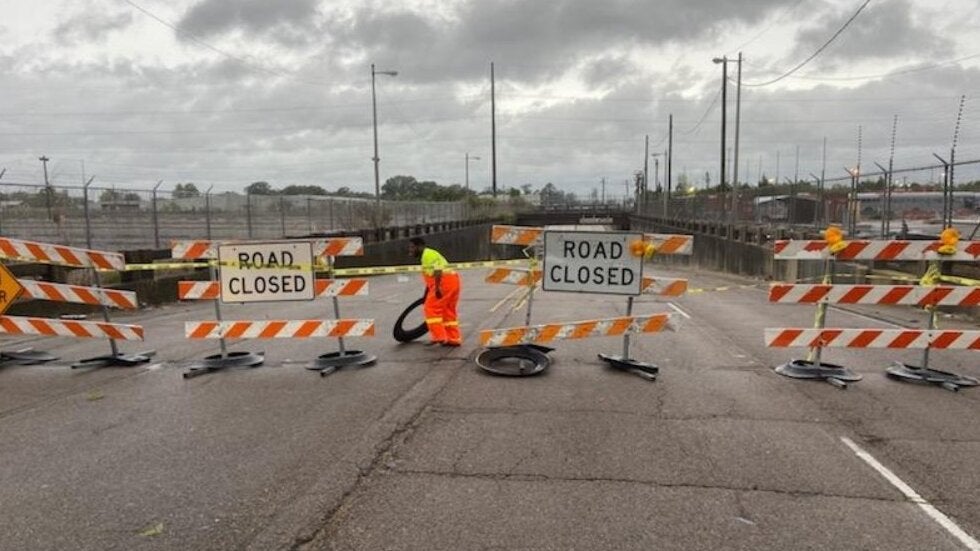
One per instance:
(408, 335)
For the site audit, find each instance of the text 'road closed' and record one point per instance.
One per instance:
(266, 272)
(591, 262)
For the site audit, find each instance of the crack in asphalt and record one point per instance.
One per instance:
(657, 416)
(384, 453)
(546, 478)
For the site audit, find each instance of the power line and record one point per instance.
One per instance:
(893, 73)
(704, 116)
(217, 50)
(815, 54)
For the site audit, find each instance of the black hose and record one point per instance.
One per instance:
(407, 335)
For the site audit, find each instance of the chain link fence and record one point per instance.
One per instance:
(917, 204)
(130, 219)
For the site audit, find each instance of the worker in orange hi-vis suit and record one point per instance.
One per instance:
(442, 297)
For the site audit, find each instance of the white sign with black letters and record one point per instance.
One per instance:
(266, 272)
(592, 262)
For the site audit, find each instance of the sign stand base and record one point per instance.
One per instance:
(116, 360)
(836, 375)
(520, 360)
(217, 362)
(641, 369)
(945, 379)
(26, 356)
(332, 361)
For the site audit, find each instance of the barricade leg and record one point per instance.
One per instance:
(225, 359)
(624, 362)
(332, 361)
(813, 367)
(924, 374)
(115, 358)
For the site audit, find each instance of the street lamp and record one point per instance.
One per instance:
(376, 159)
(468, 159)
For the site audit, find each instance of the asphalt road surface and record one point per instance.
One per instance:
(426, 451)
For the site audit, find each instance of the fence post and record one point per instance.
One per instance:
(309, 215)
(248, 212)
(156, 222)
(207, 210)
(88, 224)
(282, 214)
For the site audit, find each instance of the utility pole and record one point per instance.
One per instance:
(493, 132)
(724, 120)
(603, 200)
(670, 153)
(738, 118)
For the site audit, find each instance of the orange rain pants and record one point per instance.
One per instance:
(440, 313)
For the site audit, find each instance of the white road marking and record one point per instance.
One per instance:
(678, 310)
(912, 496)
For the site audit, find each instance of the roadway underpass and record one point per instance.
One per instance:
(426, 451)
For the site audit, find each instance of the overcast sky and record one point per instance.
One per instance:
(228, 92)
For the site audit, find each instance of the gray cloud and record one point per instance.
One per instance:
(536, 40)
(881, 31)
(215, 120)
(90, 26)
(289, 22)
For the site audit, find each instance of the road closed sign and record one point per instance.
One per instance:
(266, 272)
(592, 262)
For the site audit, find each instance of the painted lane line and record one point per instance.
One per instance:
(912, 496)
(678, 310)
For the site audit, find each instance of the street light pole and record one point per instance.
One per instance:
(468, 159)
(376, 159)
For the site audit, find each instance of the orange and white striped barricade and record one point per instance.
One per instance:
(589, 262)
(45, 253)
(269, 271)
(927, 295)
(332, 361)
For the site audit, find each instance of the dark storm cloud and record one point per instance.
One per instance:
(90, 26)
(286, 21)
(536, 40)
(883, 30)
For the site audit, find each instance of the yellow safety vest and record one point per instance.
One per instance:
(432, 260)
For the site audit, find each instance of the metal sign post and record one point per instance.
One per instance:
(114, 358)
(924, 374)
(332, 361)
(256, 272)
(813, 367)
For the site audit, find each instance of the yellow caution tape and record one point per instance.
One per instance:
(374, 270)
